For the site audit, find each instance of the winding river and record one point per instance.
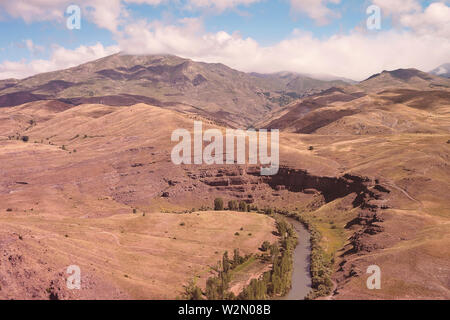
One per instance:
(301, 278)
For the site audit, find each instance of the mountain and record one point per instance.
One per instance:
(388, 102)
(292, 82)
(6, 83)
(403, 78)
(442, 71)
(212, 89)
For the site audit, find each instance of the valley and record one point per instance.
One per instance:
(93, 184)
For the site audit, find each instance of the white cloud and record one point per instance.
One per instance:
(107, 14)
(35, 10)
(316, 9)
(396, 7)
(434, 20)
(219, 5)
(150, 2)
(33, 48)
(356, 55)
(61, 58)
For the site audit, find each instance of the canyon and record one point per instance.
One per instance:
(93, 184)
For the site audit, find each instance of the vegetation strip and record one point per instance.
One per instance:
(320, 265)
(276, 282)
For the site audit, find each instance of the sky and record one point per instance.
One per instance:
(322, 37)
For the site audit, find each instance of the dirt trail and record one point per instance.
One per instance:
(410, 197)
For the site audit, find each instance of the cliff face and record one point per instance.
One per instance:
(368, 196)
(244, 180)
(331, 188)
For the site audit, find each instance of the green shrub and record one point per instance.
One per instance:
(218, 204)
(192, 292)
(233, 205)
(265, 246)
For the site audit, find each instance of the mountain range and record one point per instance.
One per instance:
(211, 89)
(164, 80)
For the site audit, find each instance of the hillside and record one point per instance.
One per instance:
(86, 168)
(403, 79)
(391, 102)
(99, 205)
(215, 90)
(94, 184)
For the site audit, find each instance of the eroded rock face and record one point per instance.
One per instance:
(369, 196)
(365, 218)
(245, 181)
(331, 188)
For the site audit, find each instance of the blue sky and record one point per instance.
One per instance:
(251, 35)
(268, 22)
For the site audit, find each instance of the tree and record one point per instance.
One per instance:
(274, 250)
(225, 262)
(218, 204)
(242, 206)
(213, 289)
(265, 246)
(236, 257)
(192, 292)
(232, 205)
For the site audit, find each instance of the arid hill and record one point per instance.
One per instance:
(390, 102)
(212, 89)
(404, 79)
(94, 185)
(87, 190)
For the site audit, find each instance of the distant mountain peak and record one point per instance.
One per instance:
(401, 74)
(405, 79)
(442, 71)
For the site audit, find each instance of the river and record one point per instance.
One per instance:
(301, 278)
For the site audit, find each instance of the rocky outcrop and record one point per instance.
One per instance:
(364, 218)
(331, 188)
(366, 194)
(288, 180)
